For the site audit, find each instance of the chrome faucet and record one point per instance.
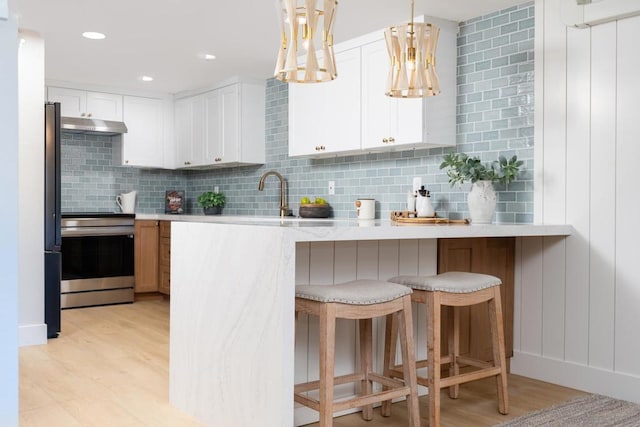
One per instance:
(284, 209)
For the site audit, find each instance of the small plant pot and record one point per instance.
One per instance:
(214, 210)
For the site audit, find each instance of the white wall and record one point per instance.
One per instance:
(32, 329)
(578, 300)
(9, 221)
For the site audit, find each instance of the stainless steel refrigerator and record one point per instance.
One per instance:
(52, 238)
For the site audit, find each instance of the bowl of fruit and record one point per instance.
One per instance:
(319, 208)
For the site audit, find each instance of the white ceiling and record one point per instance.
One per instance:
(162, 38)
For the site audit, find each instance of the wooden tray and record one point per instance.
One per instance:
(410, 218)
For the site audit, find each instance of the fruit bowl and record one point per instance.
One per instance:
(314, 210)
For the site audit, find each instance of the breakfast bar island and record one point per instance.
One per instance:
(235, 350)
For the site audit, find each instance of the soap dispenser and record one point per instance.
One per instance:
(424, 208)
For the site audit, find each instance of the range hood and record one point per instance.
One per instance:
(92, 126)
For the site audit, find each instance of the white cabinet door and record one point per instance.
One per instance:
(80, 103)
(386, 121)
(190, 132)
(324, 118)
(214, 143)
(223, 125)
(182, 129)
(198, 129)
(143, 144)
(73, 103)
(230, 126)
(105, 106)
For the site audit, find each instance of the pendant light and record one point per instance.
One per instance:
(305, 28)
(412, 52)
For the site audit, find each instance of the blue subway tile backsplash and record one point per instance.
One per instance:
(494, 116)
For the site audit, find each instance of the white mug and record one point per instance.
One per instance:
(127, 202)
(366, 208)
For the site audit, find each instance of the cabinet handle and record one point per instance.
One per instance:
(392, 140)
(320, 147)
(89, 115)
(385, 140)
(217, 159)
(126, 162)
(187, 163)
(82, 114)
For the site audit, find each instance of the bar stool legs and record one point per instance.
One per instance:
(454, 289)
(362, 301)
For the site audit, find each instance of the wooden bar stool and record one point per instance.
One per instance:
(455, 289)
(362, 300)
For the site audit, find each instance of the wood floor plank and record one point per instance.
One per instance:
(110, 367)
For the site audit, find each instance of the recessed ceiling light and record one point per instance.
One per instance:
(93, 35)
(207, 56)
(146, 78)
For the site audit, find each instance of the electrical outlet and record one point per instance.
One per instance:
(417, 183)
(216, 189)
(332, 188)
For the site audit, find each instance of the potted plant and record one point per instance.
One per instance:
(211, 202)
(482, 197)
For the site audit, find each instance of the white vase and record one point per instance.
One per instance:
(482, 202)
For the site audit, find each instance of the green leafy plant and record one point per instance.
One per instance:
(462, 168)
(210, 199)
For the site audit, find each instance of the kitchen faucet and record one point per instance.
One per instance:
(284, 209)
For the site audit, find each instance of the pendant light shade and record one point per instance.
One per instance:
(305, 28)
(412, 52)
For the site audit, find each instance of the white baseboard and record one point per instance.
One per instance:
(582, 377)
(32, 334)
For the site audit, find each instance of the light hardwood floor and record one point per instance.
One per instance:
(110, 367)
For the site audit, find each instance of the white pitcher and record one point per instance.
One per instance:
(127, 202)
(424, 208)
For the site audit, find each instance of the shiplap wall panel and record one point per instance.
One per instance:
(555, 104)
(408, 264)
(517, 295)
(553, 298)
(346, 254)
(578, 197)
(627, 346)
(602, 199)
(531, 296)
(368, 265)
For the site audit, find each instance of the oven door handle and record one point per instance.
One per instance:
(97, 231)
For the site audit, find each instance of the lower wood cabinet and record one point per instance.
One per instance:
(164, 258)
(495, 256)
(146, 256)
(152, 251)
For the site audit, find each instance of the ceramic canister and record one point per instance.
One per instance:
(366, 208)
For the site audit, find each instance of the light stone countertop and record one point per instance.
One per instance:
(310, 230)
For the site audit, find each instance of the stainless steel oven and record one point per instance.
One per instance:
(97, 259)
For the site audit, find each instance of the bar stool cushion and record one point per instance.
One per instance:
(356, 292)
(452, 281)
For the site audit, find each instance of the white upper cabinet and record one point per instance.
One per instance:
(143, 144)
(190, 132)
(222, 127)
(324, 118)
(386, 122)
(80, 103)
(352, 114)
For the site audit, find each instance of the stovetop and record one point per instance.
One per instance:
(97, 215)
